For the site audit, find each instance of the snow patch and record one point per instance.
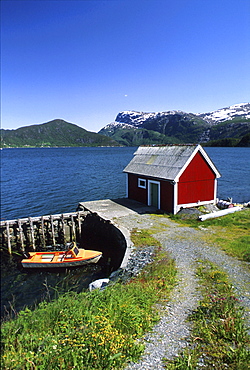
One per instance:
(229, 113)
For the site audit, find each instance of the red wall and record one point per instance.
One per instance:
(134, 192)
(197, 182)
(141, 195)
(167, 196)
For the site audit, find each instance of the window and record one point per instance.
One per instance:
(76, 251)
(142, 183)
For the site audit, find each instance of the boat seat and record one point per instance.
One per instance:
(45, 256)
(47, 259)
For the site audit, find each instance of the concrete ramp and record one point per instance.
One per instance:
(110, 209)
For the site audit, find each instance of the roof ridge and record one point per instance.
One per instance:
(163, 145)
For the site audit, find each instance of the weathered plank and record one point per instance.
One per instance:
(32, 233)
(21, 234)
(73, 229)
(8, 237)
(43, 232)
(40, 231)
(63, 228)
(38, 218)
(52, 230)
(79, 224)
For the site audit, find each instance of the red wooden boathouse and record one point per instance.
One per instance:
(172, 177)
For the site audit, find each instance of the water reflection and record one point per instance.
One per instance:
(21, 287)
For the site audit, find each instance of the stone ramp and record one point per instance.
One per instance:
(114, 210)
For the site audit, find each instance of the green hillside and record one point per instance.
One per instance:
(235, 128)
(136, 137)
(240, 142)
(54, 133)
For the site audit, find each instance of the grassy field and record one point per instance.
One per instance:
(97, 330)
(230, 232)
(219, 338)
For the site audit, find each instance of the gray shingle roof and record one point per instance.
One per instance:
(164, 162)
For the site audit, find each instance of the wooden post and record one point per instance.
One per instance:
(43, 232)
(52, 230)
(8, 236)
(73, 229)
(32, 233)
(63, 229)
(79, 224)
(21, 234)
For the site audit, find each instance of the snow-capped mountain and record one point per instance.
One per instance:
(176, 126)
(134, 119)
(138, 118)
(224, 114)
(113, 126)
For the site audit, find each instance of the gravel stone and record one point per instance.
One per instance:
(186, 246)
(137, 261)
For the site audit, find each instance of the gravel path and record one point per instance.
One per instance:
(186, 246)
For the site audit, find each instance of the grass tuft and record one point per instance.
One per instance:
(97, 330)
(143, 238)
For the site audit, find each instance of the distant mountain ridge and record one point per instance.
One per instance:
(225, 127)
(229, 113)
(53, 133)
(136, 128)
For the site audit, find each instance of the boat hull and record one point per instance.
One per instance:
(61, 259)
(60, 264)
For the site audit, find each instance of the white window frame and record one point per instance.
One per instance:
(140, 185)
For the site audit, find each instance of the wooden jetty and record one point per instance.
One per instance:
(41, 232)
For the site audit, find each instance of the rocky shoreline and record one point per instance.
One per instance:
(138, 259)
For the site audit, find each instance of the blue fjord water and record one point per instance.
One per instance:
(40, 181)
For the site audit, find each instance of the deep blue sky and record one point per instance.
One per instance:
(85, 61)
